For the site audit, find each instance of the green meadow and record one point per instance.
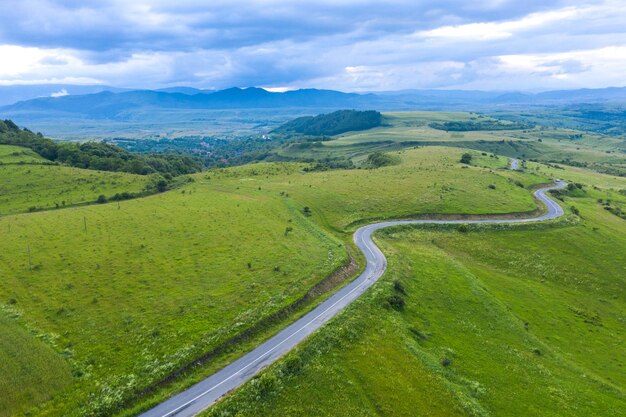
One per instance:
(406, 129)
(29, 185)
(500, 320)
(128, 293)
(18, 155)
(111, 303)
(427, 180)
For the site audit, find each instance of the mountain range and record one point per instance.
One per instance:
(111, 103)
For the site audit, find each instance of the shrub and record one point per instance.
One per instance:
(396, 302)
(466, 158)
(399, 287)
(101, 199)
(381, 159)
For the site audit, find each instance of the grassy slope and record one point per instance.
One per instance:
(32, 372)
(16, 154)
(532, 322)
(30, 184)
(127, 296)
(404, 129)
(428, 180)
(159, 280)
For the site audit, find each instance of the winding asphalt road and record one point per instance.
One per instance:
(205, 393)
(514, 164)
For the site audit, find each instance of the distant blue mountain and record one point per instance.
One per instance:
(113, 104)
(107, 104)
(10, 94)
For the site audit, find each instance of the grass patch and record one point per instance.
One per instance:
(35, 187)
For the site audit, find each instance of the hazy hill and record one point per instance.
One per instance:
(107, 104)
(332, 124)
(110, 103)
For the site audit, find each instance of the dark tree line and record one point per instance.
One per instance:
(472, 125)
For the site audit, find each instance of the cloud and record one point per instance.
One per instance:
(61, 93)
(354, 45)
(499, 30)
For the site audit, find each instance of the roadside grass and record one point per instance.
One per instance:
(18, 155)
(428, 180)
(34, 187)
(136, 292)
(523, 320)
(32, 372)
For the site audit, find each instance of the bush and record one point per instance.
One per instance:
(399, 287)
(466, 158)
(381, 159)
(396, 302)
(101, 199)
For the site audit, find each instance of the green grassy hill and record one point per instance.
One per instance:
(18, 155)
(32, 183)
(427, 180)
(155, 283)
(114, 302)
(151, 285)
(408, 129)
(524, 320)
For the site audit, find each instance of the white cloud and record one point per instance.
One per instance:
(61, 93)
(352, 45)
(484, 31)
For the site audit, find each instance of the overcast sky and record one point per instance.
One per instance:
(350, 45)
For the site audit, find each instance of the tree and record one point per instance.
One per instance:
(161, 185)
(466, 158)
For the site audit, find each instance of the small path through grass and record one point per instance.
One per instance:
(205, 393)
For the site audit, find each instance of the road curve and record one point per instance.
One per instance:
(205, 393)
(514, 164)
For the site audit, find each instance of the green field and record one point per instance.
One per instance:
(18, 155)
(428, 180)
(517, 321)
(155, 282)
(34, 187)
(107, 300)
(402, 130)
(152, 284)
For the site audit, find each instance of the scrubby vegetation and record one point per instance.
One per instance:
(475, 125)
(381, 159)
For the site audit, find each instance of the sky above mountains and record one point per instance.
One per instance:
(352, 45)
